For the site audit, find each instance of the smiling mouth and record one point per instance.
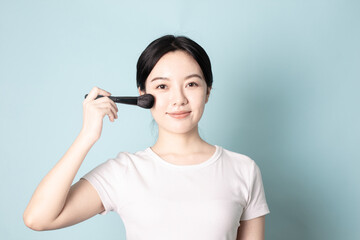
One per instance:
(179, 115)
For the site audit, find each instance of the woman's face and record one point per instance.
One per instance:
(180, 92)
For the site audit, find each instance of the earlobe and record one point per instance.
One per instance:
(208, 94)
(141, 92)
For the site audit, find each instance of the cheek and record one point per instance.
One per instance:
(160, 106)
(197, 100)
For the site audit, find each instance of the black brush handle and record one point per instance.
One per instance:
(145, 101)
(125, 100)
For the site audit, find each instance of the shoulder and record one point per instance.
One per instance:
(242, 165)
(125, 157)
(120, 161)
(119, 164)
(130, 160)
(237, 158)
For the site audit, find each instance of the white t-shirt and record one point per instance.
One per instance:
(160, 200)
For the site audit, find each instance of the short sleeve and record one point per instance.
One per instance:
(256, 203)
(105, 178)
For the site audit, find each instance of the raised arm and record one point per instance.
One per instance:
(55, 203)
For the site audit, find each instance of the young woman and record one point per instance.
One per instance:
(180, 188)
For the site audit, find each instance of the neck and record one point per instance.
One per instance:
(178, 143)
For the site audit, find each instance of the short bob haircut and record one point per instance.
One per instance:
(169, 43)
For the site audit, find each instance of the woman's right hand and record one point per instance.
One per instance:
(94, 112)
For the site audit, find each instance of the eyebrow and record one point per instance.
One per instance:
(164, 78)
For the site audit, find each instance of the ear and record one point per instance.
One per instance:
(208, 94)
(141, 92)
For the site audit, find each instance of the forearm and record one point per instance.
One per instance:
(49, 197)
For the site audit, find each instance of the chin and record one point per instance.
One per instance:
(180, 129)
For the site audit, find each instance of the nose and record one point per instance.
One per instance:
(179, 98)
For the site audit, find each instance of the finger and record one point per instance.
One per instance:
(114, 112)
(108, 109)
(114, 105)
(111, 116)
(95, 91)
(106, 100)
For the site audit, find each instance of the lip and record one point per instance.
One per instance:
(179, 114)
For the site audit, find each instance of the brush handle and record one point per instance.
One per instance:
(125, 100)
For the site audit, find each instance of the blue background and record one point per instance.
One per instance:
(286, 93)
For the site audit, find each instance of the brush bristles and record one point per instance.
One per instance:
(146, 101)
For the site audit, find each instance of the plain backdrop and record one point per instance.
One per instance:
(286, 93)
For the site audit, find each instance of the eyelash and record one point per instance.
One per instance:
(158, 87)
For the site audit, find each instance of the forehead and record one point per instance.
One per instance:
(175, 64)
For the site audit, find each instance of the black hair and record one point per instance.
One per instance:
(169, 43)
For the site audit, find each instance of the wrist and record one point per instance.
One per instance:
(87, 137)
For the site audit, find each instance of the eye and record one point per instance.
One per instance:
(193, 84)
(161, 86)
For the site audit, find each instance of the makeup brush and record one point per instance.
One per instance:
(144, 101)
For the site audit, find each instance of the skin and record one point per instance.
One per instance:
(177, 84)
(253, 229)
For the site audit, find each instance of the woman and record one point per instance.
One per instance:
(180, 188)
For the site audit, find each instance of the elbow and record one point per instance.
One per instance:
(32, 223)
